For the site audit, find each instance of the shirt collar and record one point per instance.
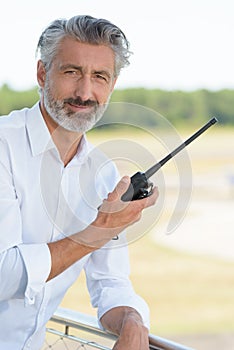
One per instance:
(40, 138)
(82, 153)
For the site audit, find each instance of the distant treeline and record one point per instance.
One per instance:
(179, 107)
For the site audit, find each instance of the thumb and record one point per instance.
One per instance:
(123, 185)
(121, 188)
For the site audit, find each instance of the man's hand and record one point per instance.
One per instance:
(127, 323)
(115, 215)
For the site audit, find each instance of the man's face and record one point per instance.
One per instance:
(78, 86)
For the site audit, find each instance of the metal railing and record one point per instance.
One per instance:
(81, 331)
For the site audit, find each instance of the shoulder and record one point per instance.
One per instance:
(14, 119)
(14, 122)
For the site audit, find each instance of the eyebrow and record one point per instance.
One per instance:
(70, 66)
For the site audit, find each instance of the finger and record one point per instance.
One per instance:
(151, 200)
(120, 189)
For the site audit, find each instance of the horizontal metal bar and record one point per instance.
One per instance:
(74, 319)
(157, 342)
(77, 339)
(83, 322)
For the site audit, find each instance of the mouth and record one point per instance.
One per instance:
(78, 108)
(78, 105)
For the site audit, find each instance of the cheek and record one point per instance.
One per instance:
(60, 90)
(59, 87)
(103, 95)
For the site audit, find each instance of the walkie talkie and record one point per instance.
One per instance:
(140, 187)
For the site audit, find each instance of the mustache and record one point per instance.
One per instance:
(79, 102)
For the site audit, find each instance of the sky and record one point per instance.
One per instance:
(176, 44)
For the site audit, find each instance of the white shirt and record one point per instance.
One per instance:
(43, 201)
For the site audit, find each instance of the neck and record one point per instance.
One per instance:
(67, 142)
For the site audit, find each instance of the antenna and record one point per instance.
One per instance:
(158, 165)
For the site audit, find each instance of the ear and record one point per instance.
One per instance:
(41, 73)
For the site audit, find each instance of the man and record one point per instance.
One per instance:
(52, 183)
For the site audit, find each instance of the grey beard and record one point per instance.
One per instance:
(73, 121)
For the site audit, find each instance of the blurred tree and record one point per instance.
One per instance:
(11, 99)
(179, 107)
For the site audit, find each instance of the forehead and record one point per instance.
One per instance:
(86, 55)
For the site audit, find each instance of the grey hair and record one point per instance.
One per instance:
(85, 29)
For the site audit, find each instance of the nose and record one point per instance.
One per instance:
(84, 88)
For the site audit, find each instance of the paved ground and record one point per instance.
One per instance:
(208, 225)
(208, 341)
(208, 230)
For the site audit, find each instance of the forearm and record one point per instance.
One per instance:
(127, 323)
(69, 250)
(64, 253)
(115, 319)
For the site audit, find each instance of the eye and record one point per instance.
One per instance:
(70, 72)
(102, 77)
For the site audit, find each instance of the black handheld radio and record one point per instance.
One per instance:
(140, 187)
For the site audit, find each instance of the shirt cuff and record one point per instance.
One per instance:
(37, 261)
(111, 298)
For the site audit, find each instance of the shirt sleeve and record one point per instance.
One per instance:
(23, 271)
(107, 276)
(23, 268)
